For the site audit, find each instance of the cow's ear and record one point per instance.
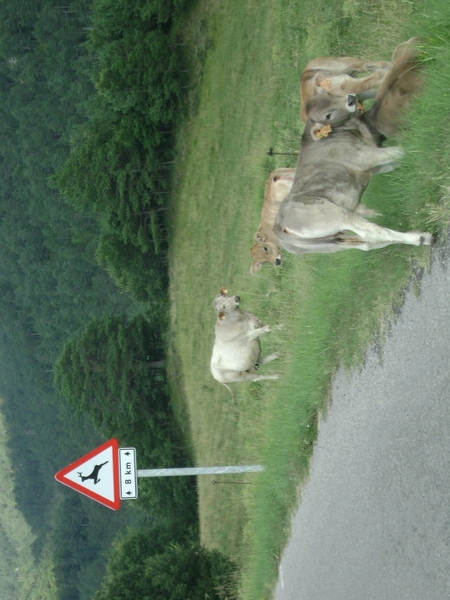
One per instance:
(323, 82)
(256, 266)
(318, 78)
(259, 237)
(221, 316)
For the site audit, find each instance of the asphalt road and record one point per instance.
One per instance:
(374, 520)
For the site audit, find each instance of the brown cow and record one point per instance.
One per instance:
(337, 76)
(266, 248)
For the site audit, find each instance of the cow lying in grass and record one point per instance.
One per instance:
(337, 76)
(323, 211)
(266, 248)
(237, 351)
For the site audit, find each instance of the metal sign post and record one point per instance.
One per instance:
(199, 471)
(108, 474)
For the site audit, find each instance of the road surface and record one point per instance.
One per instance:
(374, 520)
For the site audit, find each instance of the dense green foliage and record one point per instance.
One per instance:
(144, 566)
(49, 280)
(109, 370)
(65, 74)
(117, 167)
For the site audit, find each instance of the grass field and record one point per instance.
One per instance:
(331, 306)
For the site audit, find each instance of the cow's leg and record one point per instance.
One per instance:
(355, 85)
(373, 233)
(346, 64)
(266, 359)
(241, 376)
(322, 228)
(368, 94)
(378, 159)
(381, 65)
(244, 376)
(362, 210)
(352, 65)
(255, 333)
(328, 247)
(387, 168)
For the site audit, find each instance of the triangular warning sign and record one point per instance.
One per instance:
(96, 475)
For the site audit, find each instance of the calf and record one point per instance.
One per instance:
(266, 248)
(237, 351)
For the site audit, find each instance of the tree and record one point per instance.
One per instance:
(143, 276)
(113, 371)
(140, 568)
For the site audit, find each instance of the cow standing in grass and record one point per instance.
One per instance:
(237, 350)
(338, 156)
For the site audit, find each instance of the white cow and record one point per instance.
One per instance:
(236, 352)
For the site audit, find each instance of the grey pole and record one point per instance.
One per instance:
(198, 471)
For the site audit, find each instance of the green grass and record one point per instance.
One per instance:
(332, 305)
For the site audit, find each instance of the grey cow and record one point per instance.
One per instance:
(323, 212)
(236, 352)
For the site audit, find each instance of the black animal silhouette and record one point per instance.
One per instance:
(93, 475)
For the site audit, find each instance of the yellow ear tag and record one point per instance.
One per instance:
(323, 132)
(326, 84)
(223, 291)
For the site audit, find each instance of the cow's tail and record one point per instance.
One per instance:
(403, 81)
(230, 390)
(406, 57)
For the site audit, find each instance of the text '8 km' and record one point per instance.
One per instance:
(128, 473)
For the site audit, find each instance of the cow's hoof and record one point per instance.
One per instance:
(426, 239)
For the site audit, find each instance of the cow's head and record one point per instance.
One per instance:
(325, 109)
(224, 304)
(264, 251)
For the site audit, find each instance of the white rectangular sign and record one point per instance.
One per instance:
(128, 473)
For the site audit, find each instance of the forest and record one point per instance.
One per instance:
(91, 99)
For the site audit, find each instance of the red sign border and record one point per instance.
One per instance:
(61, 475)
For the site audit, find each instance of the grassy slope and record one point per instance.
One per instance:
(330, 305)
(30, 581)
